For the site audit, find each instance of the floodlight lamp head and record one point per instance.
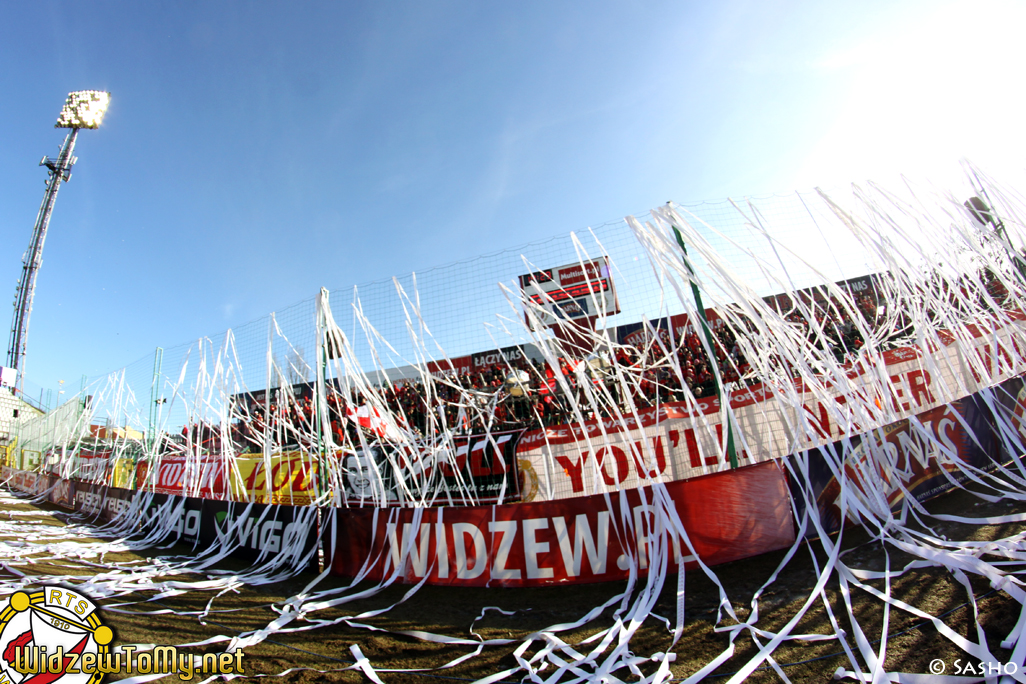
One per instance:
(979, 210)
(83, 109)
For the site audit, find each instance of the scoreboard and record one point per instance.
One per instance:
(575, 291)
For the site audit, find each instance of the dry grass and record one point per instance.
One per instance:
(912, 645)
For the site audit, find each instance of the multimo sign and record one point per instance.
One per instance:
(578, 290)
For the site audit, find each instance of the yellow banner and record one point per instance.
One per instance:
(292, 481)
(122, 473)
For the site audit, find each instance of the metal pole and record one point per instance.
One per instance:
(60, 169)
(321, 411)
(999, 226)
(720, 390)
(155, 399)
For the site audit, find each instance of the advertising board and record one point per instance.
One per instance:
(471, 469)
(574, 291)
(259, 533)
(726, 516)
(920, 457)
(102, 502)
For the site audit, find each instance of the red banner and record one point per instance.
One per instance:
(727, 516)
(176, 474)
(92, 466)
(62, 492)
(26, 481)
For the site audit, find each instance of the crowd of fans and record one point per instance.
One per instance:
(524, 393)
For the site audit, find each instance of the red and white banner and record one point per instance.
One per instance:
(727, 516)
(62, 492)
(678, 441)
(371, 419)
(176, 474)
(92, 466)
(25, 481)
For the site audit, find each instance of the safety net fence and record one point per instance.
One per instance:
(666, 393)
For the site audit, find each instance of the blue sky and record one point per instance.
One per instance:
(254, 152)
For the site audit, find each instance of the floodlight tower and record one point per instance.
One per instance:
(83, 109)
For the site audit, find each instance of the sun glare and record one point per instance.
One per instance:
(926, 94)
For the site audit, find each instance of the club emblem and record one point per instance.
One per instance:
(53, 635)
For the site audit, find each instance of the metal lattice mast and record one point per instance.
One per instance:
(83, 109)
(60, 169)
